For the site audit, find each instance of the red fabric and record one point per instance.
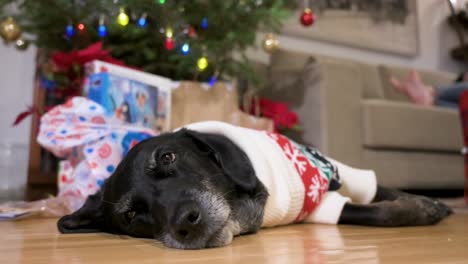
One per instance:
(315, 185)
(463, 107)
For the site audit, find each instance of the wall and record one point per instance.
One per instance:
(435, 40)
(16, 85)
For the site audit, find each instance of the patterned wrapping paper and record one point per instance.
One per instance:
(92, 144)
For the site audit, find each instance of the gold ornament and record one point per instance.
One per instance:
(21, 44)
(270, 43)
(10, 30)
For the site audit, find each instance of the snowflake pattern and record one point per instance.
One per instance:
(306, 166)
(316, 189)
(296, 157)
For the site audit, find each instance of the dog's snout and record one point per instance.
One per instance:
(187, 223)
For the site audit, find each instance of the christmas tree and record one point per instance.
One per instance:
(182, 40)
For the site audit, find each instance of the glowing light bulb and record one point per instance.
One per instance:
(212, 80)
(191, 32)
(102, 30)
(123, 18)
(69, 30)
(81, 26)
(162, 2)
(169, 32)
(204, 23)
(185, 49)
(202, 63)
(169, 44)
(142, 20)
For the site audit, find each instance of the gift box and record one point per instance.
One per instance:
(131, 101)
(130, 95)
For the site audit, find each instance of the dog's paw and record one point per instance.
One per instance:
(419, 210)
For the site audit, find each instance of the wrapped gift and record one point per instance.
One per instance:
(92, 143)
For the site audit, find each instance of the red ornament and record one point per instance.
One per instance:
(307, 17)
(169, 44)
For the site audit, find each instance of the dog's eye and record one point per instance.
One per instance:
(168, 158)
(129, 215)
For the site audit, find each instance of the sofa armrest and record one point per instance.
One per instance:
(327, 95)
(338, 101)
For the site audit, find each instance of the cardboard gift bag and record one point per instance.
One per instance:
(243, 119)
(195, 102)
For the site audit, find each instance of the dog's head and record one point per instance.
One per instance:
(187, 189)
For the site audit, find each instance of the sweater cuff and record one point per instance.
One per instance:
(329, 210)
(359, 185)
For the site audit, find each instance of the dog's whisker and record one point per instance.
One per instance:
(223, 195)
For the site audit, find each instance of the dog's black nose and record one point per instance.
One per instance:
(187, 223)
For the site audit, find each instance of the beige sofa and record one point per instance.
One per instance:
(350, 112)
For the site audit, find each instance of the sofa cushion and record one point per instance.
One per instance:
(435, 79)
(399, 125)
(415, 170)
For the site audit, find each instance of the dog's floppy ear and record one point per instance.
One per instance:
(234, 162)
(88, 219)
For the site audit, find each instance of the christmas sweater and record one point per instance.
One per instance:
(303, 185)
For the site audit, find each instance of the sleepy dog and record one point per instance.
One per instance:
(204, 184)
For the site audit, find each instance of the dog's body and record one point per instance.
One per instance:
(195, 190)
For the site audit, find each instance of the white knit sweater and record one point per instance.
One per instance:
(285, 187)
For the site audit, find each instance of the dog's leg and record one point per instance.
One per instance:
(387, 194)
(395, 208)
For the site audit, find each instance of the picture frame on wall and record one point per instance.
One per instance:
(389, 26)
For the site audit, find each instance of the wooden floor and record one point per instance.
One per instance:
(37, 241)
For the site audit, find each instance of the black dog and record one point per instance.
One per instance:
(196, 190)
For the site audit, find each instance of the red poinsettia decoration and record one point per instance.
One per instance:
(278, 111)
(65, 60)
